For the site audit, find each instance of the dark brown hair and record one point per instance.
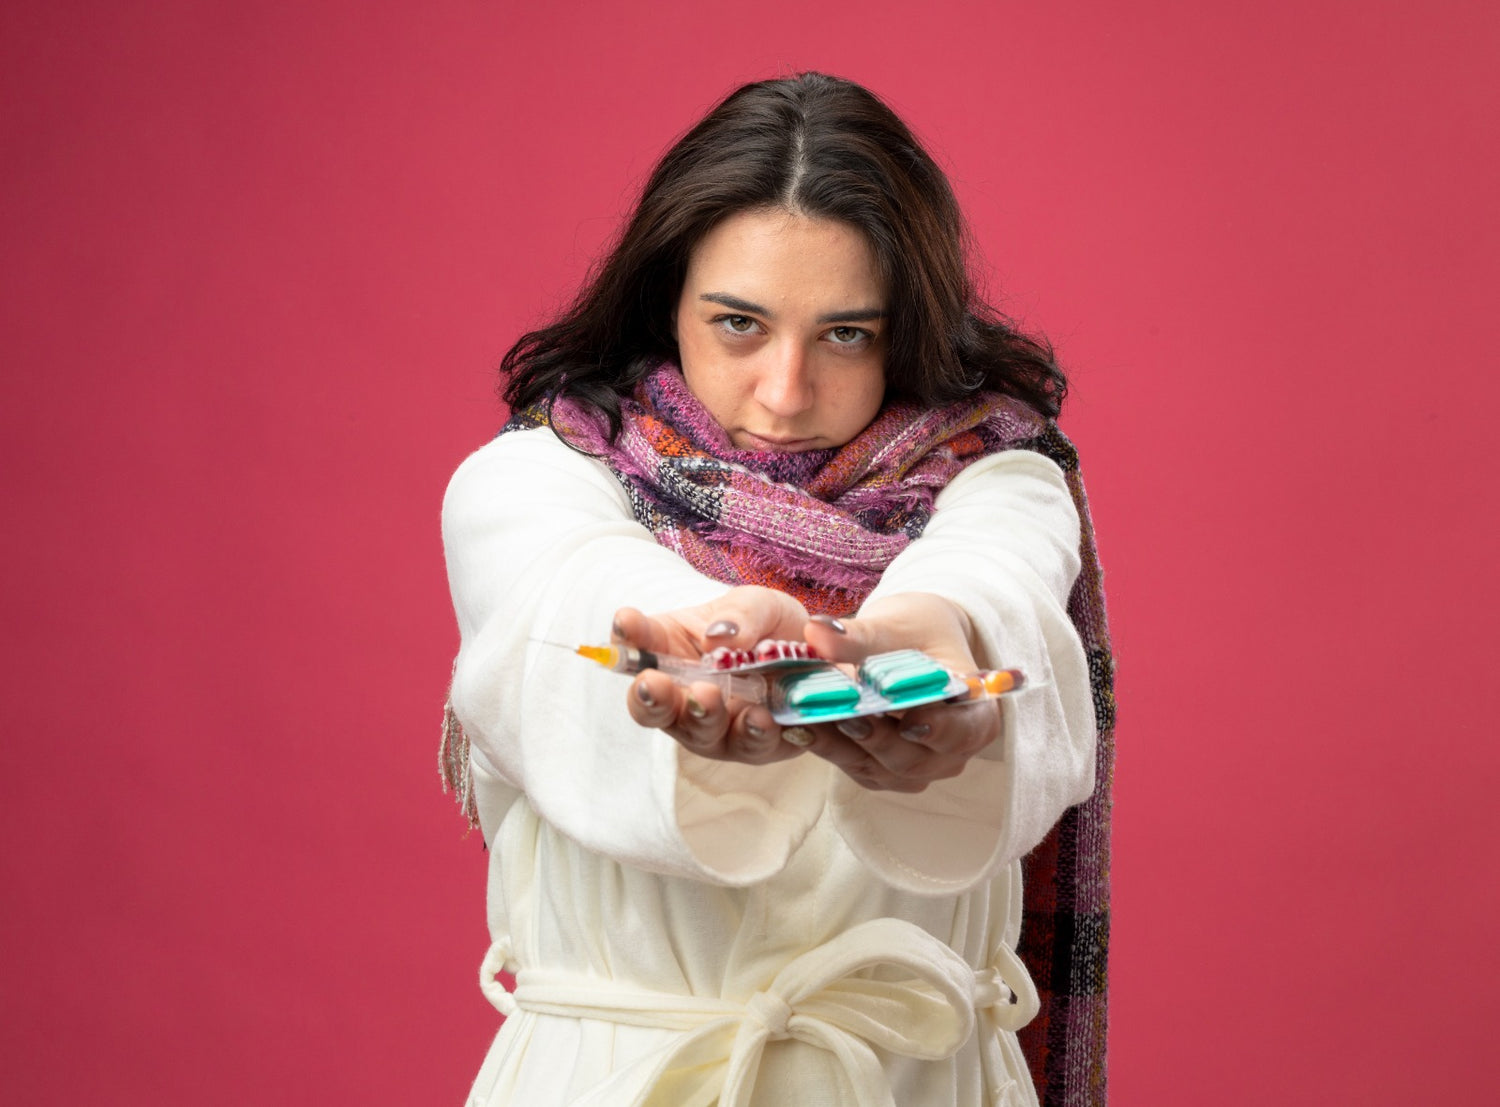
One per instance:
(822, 147)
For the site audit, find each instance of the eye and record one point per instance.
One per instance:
(849, 336)
(739, 324)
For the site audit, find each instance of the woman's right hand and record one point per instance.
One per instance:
(698, 716)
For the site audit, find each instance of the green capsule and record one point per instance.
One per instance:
(821, 690)
(903, 673)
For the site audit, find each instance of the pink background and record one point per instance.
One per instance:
(258, 263)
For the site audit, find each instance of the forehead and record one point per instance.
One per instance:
(773, 254)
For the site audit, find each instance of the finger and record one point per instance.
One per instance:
(847, 639)
(755, 739)
(868, 774)
(879, 740)
(952, 729)
(866, 770)
(621, 627)
(702, 720)
(654, 699)
(634, 628)
(831, 746)
(907, 621)
(875, 755)
(746, 615)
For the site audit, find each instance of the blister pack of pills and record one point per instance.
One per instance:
(802, 688)
(798, 686)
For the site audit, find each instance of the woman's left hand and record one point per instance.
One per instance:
(928, 743)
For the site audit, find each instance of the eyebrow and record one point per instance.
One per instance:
(851, 315)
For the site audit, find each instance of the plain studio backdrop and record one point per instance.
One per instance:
(259, 263)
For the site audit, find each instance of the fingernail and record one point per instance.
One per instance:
(858, 729)
(643, 694)
(721, 629)
(695, 709)
(614, 629)
(831, 623)
(915, 733)
(753, 730)
(798, 736)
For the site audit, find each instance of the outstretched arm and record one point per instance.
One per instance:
(542, 547)
(1001, 552)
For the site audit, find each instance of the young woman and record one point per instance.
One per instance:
(777, 410)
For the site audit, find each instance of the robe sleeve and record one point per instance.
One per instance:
(542, 547)
(1002, 544)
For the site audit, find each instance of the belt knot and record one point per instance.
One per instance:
(771, 1012)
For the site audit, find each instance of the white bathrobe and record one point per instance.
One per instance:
(685, 931)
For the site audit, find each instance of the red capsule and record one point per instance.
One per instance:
(778, 649)
(726, 657)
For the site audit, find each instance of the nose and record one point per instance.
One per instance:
(784, 387)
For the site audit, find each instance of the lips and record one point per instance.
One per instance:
(774, 444)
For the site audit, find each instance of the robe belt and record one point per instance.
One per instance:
(817, 998)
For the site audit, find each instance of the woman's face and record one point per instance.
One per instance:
(781, 328)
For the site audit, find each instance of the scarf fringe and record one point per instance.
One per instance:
(822, 572)
(453, 763)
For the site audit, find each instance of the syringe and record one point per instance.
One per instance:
(631, 659)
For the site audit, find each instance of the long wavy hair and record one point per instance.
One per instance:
(818, 146)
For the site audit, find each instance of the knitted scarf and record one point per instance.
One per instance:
(822, 526)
